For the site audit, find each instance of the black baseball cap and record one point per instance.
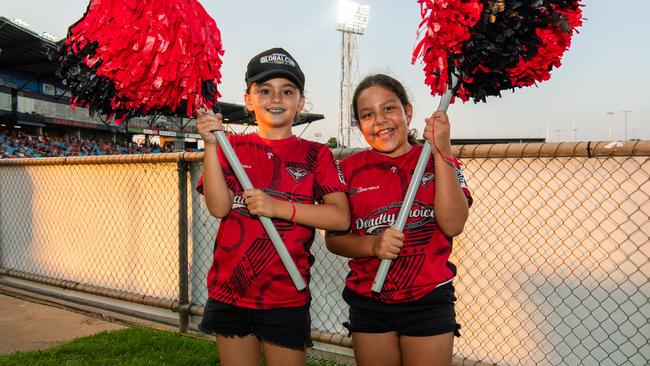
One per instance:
(273, 63)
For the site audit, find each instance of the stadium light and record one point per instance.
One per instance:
(21, 23)
(49, 36)
(625, 112)
(353, 17)
(611, 115)
(352, 21)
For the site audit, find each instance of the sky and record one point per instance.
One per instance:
(603, 71)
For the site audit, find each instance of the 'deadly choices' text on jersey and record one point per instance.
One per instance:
(377, 185)
(246, 270)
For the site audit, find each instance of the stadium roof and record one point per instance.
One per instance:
(23, 51)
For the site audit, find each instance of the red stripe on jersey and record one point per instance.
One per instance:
(377, 185)
(246, 270)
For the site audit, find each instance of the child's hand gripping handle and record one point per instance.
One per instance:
(380, 277)
(245, 182)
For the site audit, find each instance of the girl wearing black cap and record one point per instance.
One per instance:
(253, 305)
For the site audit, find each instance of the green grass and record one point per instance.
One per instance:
(131, 346)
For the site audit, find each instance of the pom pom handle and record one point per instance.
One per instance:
(446, 98)
(416, 179)
(245, 182)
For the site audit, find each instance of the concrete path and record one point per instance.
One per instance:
(29, 326)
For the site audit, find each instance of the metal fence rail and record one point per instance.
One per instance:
(553, 266)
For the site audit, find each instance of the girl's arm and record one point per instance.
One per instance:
(218, 197)
(332, 214)
(387, 245)
(450, 203)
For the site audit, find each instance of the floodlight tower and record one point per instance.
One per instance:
(625, 112)
(353, 20)
(611, 115)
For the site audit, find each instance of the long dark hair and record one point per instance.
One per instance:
(394, 86)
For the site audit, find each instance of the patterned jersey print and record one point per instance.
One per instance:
(377, 185)
(246, 270)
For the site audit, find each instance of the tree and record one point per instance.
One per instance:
(332, 143)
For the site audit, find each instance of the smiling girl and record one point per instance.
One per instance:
(412, 321)
(253, 305)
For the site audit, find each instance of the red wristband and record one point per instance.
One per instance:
(450, 159)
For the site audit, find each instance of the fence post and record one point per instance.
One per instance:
(183, 277)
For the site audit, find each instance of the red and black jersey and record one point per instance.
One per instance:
(246, 270)
(377, 185)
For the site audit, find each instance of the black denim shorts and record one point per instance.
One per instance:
(432, 315)
(286, 327)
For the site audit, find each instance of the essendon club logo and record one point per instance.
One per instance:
(297, 171)
(427, 178)
(378, 220)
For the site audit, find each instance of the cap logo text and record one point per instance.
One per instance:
(278, 58)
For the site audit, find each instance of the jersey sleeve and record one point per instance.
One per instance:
(463, 186)
(228, 174)
(199, 185)
(328, 176)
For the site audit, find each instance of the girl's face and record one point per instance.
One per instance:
(275, 103)
(384, 121)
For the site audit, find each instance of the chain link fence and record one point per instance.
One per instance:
(554, 262)
(110, 223)
(553, 265)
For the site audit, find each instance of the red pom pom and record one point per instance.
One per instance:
(493, 45)
(555, 40)
(445, 26)
(158, 54)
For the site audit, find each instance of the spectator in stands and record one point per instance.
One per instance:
(18, 144)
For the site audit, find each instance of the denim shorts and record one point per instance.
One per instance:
(431, 315)
(286, 327)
